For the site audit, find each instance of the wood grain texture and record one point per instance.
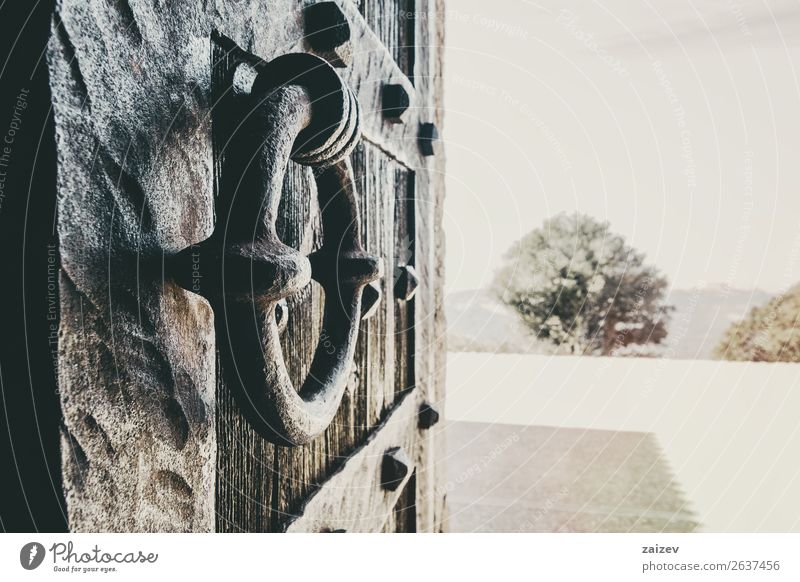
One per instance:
(384, 357)
(404, 254)
(436, 40)
(430, 332)
(394, 23)
(352, 498)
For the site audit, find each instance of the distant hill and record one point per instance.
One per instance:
(702, 315)
(478, 322)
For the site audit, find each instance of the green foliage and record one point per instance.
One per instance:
(580, 286)
(767, 334)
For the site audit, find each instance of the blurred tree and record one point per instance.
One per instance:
(768, 333)
(574, 282)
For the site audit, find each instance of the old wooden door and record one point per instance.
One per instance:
(153, 438)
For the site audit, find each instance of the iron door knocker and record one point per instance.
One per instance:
(297, 108)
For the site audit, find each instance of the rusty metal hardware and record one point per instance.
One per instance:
(407, 282)
(328, 32)
(394, 102)
(295, 107)
(370, 299)
(427, 417)
(394, 468)
(427, 138)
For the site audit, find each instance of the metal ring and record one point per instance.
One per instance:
(298, 109)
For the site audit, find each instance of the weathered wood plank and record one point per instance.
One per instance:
(352, 499)
(404, 254)
(394, 24)
(430, 336)
(436, 39)
(379, 168)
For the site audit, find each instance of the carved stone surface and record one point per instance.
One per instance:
(136, 356)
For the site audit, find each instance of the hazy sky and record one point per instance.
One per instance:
(678, 122)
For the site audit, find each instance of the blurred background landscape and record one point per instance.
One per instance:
(478, 322)
(672, 131)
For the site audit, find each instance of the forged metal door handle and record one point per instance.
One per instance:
(298, 109)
